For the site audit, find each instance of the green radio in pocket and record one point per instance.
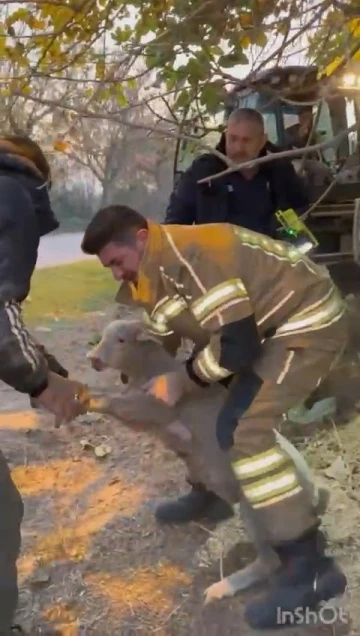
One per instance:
(293, 230)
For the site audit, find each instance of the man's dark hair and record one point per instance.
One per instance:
(115, 223)
(247, 114)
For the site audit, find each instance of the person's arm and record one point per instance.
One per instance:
(221, 305)
(181, 209)
(169, 340)
(22, 365)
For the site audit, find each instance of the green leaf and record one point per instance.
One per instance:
(121, 97)
(260, 39)
(172, 79)
(211, 95)
(196, 71)
(233, 59)
(132, 83)
(183, 99)
(216, 50)
(122, 35)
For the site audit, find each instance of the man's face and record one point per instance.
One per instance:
(124, 260)
(244, 140)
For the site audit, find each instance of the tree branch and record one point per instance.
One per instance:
(286, 154)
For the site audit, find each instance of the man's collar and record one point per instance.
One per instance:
(148, 275)
(124, 295)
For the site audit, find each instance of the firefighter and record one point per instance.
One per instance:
(273, 324)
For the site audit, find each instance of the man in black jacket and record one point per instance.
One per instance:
(248, 198)
(25, 216)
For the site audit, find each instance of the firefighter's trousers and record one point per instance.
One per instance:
(11, 514)
(266, 475)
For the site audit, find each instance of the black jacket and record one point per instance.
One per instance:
(231, 199)
(25, 216)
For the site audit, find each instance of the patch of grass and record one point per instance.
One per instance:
(69, 291)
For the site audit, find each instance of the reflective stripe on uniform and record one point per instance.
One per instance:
(278, 498)
(209, 368)
(318, 316)
(278, 249)
(286, 366)
(166, 309)
(220, 297)
(158, 329)
(267, 477)
(262, 463)
(280, 486)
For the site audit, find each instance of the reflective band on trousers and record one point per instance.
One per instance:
(260, 464)
(267, 478)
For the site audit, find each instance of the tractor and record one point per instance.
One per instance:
(283, 96)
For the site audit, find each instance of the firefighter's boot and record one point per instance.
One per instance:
(198, 504)
(308, 579)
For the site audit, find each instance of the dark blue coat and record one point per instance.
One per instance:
(25, 216)
(234, 199)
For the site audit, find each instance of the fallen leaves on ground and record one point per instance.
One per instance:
(141, 588)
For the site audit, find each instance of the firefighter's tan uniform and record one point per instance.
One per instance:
(195, 281)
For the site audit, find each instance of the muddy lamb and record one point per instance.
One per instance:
(188, 430)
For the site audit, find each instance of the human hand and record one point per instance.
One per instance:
(65, 398)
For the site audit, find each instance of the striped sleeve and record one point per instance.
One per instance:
(161, 329)
(22, 365)
(158, 327)
(221, 305)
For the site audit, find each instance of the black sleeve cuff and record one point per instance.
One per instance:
(39, 389)
(193, 376)
(63, 372)
(225, 382)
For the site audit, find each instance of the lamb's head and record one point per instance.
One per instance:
(124, 345)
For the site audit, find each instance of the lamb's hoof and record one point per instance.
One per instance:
(253, 574)
(218, 590)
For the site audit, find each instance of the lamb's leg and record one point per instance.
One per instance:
(141, 413)
(134, 409)
(257, 572)
(252, 574)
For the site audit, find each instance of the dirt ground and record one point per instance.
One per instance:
(93, 559)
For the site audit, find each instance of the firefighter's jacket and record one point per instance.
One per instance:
(236, 294)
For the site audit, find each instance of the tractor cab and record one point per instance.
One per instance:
(297, 105)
